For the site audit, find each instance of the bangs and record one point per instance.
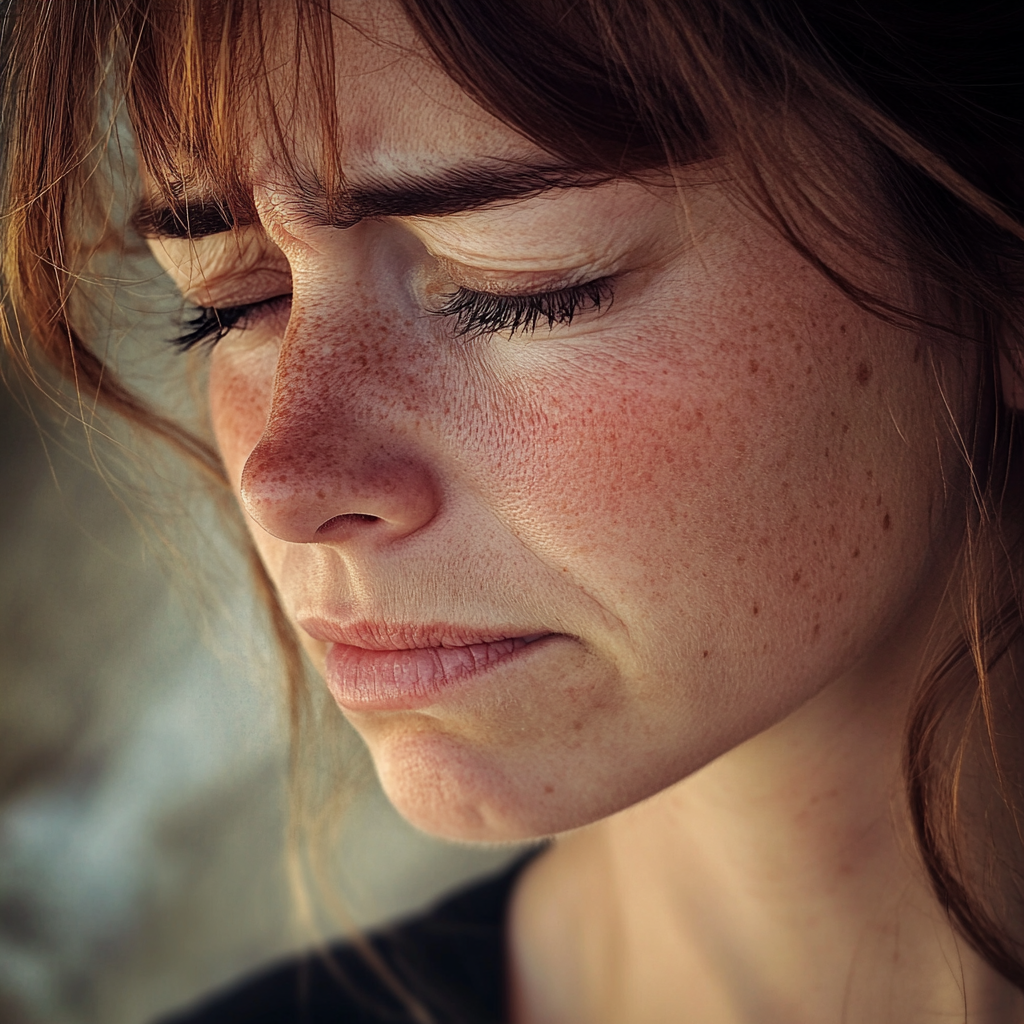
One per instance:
(197, 80)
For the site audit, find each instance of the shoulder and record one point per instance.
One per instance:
(450, 959)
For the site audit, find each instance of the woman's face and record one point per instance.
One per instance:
(548, 572)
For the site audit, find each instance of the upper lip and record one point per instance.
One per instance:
(374, 635)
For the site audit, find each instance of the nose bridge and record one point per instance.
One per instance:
(340, 456)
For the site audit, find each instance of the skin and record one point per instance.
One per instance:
(732, 492)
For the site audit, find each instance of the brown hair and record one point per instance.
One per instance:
(929, 93)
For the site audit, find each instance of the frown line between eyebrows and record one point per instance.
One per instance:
(448, 191)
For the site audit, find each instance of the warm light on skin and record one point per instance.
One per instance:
(725, 486)
(732, 491)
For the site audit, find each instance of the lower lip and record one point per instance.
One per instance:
(364, 680)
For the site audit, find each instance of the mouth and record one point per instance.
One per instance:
(384, 667)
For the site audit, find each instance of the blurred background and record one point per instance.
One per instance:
(142, 744)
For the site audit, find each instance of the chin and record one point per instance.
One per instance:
(447, 788)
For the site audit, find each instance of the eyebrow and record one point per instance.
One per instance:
(452, 190)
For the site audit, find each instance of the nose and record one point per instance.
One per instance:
(335, 461)
(308, 490)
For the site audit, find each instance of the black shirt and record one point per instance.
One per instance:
(451, 959)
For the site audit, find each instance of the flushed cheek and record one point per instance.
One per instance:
(242, 375)
(743, 484)
(241, 385)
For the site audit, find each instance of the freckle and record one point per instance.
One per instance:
(817, 629)
(798, 348)
(797, 575)
(871, 476)
(832, 530)
(839, 598)
(756, 609)
(842, 328)
(706, 653)
(548, 789)
(864, 372)
(808, 371)
(826, 453)
(886, 522)
(740, 559)
(753, 366)
(846, 428)
(856, 553)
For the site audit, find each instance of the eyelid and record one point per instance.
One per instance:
(224, 270)
(240, 288)
(520, 284)
(564, 228)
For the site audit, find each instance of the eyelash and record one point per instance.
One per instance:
(479, 313)
(207, 324)
(475, 313)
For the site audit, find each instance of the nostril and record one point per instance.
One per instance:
(348, 517)
(295, 480)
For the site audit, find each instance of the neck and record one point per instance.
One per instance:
(778, 884)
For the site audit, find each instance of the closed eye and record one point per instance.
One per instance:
(208, 324)
(479, 313)
(475, 313)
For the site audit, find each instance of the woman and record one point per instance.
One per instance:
(621, 400)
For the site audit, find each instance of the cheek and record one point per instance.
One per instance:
(758, 488)
(241, 385)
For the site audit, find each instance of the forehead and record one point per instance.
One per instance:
(385, 108)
